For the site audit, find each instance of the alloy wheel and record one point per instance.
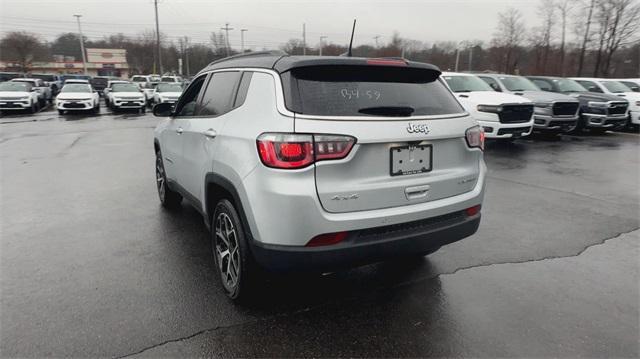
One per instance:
(227, 252)
(160, 179)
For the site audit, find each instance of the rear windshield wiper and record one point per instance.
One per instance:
(388, 110)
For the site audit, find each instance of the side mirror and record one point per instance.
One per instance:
(33, 89)
(163, 109)
(495, 87)
(594, 89)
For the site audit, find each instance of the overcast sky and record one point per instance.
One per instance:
(269, 23)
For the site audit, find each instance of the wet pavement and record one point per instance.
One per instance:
(92, 266)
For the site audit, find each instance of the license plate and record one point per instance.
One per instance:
(410, 160)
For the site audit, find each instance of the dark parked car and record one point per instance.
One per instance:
(598, 111)
(99, 83)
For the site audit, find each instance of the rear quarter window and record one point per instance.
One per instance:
(367, 91)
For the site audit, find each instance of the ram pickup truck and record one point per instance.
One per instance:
(617, 88)
(503, 116)
(53, 81)
(598, 111)
(553, 112)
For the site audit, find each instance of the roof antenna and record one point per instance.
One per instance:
(351, 42)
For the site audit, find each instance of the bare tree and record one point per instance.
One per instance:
(546, 11)
(564, 8)
(22, 47)
(585, 29)
(623, 29)
(508, 36)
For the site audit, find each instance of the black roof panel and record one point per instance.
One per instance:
(281, 62)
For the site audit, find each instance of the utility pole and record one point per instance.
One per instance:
(457, 59)
(304, 39)
(321, 39)
(155, 4)
(242, 40)
(376, 38)
(470, 57)
(84, 56)
(226, 29)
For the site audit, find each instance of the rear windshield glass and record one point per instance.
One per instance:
(44, 77)
(367, 91)
(168, 79)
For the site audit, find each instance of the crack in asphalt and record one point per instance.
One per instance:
(401, 284)
(555, 190)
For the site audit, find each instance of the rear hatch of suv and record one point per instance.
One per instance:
(409, 132)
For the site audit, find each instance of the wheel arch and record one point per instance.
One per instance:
(218, 187)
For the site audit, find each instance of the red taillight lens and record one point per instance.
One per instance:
(327, 239)
(472, 211)
(475, 137)
(291, 151)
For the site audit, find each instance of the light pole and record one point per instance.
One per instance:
(321, 38)
(226, 29)
(242, 40)
(376, 38)
(155, 3)
(84, 56)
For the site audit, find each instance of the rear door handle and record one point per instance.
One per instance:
(179, 130)
(417, 192)
(210, 133)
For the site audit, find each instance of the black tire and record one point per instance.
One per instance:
(143, 109)
(34, 108)
(60, 112)
(248, 271)
(598, 131)
(168, 198)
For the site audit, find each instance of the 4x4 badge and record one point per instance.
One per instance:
(420, 128)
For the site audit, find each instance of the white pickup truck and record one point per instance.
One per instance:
(502, 116)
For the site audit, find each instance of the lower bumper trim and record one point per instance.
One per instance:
(279, 258)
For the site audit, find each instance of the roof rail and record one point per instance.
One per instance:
(248, 54)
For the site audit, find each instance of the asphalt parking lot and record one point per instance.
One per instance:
(91, 265)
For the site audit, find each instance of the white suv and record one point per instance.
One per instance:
(320, 163)
(501, 115)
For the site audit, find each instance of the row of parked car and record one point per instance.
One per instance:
(510, 107)
(79, 92)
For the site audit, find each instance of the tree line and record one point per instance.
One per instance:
(599, 38)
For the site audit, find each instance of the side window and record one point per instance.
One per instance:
(220, 93)
(187, 104)
(589, 85)
(491, 82)
(243, 88)
(543, 84)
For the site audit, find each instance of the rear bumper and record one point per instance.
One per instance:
(369, 246)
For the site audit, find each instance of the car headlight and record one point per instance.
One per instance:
(489, 108)
(637, 103)
(542, 104)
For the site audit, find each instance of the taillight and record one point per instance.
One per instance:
(475, 137)
(327, 239)
(291, 151)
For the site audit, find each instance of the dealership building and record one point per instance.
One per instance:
(100, 62)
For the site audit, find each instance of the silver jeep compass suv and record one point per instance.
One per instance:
(320, 163)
